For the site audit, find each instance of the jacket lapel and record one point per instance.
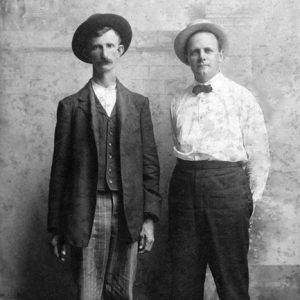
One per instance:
(94, 119)
(88, 105)
(83, 99)
(122, 105)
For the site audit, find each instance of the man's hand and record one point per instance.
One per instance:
(58, 247)
(146, 236)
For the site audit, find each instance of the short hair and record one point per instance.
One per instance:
(188, 40)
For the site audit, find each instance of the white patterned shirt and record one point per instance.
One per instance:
(107, 96)
(226, 124)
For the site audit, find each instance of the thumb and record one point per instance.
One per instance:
(142, 242)
(63, 249)
(55, 249)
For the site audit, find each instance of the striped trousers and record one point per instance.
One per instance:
(105, 270)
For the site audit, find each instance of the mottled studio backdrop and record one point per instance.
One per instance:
(37, 69)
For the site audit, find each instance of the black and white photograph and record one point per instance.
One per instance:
(149, 150)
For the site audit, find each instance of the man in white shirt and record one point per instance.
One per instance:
(104, 187)
(221, 145)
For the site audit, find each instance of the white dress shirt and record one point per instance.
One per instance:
(106, 96)
(226, 124)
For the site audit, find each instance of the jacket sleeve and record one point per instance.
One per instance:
(60, 166)
(151, 170)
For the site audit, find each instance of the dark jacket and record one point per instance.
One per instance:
(73, 182)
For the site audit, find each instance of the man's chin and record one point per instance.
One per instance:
(202, 77)
(202, 72)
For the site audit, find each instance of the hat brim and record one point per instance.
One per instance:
(183, 36)
(98, 21)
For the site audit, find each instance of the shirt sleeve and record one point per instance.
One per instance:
(173, 118)
(256, 144)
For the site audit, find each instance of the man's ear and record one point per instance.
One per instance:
(221, 55)
(121, 49)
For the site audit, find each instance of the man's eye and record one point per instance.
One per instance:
(192, 53)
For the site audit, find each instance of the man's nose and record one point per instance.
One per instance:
(201, 55)
(104, 52)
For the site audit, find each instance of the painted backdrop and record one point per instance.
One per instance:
(37, 69)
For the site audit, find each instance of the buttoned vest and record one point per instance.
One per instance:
(109, 173)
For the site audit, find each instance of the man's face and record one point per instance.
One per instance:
(104, 51)
(204, 56)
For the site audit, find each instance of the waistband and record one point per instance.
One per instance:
(207, 164)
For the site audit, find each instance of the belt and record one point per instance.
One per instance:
(207, 164)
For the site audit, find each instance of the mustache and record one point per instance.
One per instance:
(105, 60)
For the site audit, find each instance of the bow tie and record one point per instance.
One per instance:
(202, 88)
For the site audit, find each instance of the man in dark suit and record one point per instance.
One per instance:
(104, 187)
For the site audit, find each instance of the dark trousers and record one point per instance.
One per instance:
(210, 205)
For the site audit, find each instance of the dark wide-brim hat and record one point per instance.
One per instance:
(97, 22)
(196, 26)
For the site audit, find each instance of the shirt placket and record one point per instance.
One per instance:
(200, 110)
(106, 103)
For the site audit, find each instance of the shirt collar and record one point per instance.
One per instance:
(213, 81)
(101, 88)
